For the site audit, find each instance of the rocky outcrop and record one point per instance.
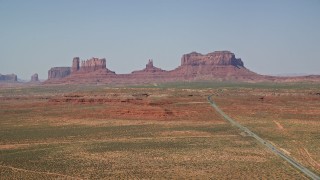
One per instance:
(75, 65)
(93, 64)
(149, 65)
(34, 78)
(93, 69)
(220, 65)
(59, 72)
(217, 58)
(149, 69)
(8, 78)
(89, 65)
(217, 66)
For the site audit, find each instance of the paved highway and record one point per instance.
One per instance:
(275, 150)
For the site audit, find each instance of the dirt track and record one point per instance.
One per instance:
(271, 147)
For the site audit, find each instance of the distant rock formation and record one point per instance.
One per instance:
(217, 66)
(217, 58)
(34, 78)
(93, 67)
(8, 78)
(149, 69)
(92, 64)
(59, 72)
(75, 65)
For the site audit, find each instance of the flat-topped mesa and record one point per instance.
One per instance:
(218, 65)
(217, 58)
(8, 78)
(59, 72)
(93, 64)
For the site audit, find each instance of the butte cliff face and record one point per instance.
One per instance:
(87, 66)
(93, 64)
(80, 69)
(75, 65)
(59, 72)
(35, 78)
(217, 58)
(8, 78)
(216, 65)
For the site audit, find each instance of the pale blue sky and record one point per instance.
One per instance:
(270, 36)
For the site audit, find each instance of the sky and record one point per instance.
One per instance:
(271, 37)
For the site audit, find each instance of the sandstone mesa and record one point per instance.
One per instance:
(218, 65)
(8, 78)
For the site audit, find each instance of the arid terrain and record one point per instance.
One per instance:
(157, 131)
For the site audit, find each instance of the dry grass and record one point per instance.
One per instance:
(289, 118)
(117, 133)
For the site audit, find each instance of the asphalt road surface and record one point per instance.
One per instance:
(275, 150)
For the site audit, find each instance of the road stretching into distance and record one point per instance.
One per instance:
(271, 147)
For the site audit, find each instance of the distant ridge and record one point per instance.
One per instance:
(218, 66)
(292, 74)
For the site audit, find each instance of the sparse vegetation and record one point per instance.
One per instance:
(92, 132)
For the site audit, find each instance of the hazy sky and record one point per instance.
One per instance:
(271, 37)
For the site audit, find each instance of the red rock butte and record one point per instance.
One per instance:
(218, 66)
(34, 78)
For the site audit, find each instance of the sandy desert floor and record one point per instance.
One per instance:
(152, 132)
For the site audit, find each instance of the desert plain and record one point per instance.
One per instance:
(157, 131)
